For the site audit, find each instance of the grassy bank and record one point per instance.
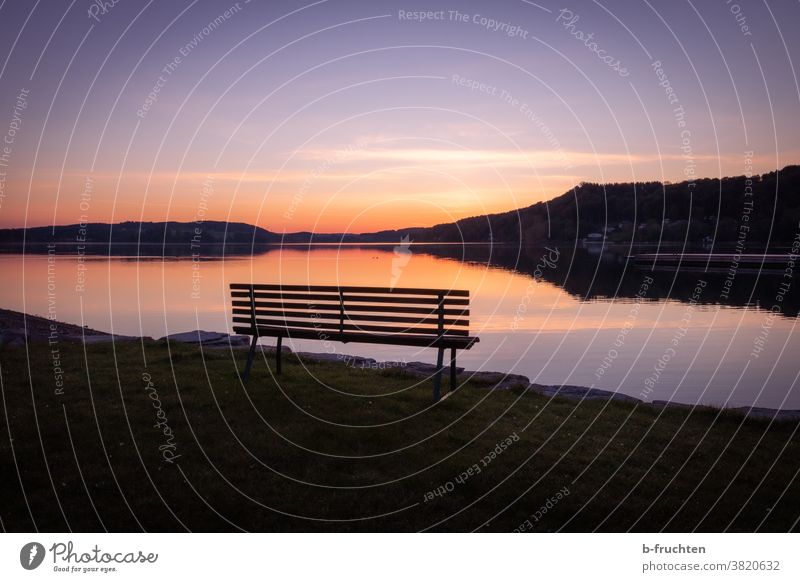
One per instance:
(333, 448)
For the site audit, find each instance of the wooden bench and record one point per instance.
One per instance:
(428, 318)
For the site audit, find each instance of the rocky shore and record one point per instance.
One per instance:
(16, 328)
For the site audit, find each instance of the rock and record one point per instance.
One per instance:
(397, 365)
(498, 380)
(208, 338)
(104, 338)
(582, 393)
(358, 361)
(751, 411)
(422, 369)
(353, 361)
(197, 336)
(271, 349)
(18, 337)
(769, 413)
(322, 357)
(493, 380)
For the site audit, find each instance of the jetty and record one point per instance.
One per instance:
(765, 263)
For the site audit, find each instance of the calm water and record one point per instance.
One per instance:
(569, 316)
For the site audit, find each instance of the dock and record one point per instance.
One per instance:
(766, 263)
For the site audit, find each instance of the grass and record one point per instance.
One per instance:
(332, 448)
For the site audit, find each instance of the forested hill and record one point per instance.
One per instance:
(141, 232)
(646, 212)
(764, 208)
(174, 233)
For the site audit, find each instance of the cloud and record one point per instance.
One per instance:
(470, 159)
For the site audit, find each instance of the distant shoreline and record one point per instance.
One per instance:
(241, 249)
(708, 211)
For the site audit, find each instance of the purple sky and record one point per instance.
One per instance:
(355, 116)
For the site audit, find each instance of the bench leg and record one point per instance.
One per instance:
(452, 369)
(250, 355)
(278, 356)
(437, 377)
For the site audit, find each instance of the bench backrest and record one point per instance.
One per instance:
(343, 310)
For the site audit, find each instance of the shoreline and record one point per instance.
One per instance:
(17, 328)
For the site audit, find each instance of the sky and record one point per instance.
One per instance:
(344, 116)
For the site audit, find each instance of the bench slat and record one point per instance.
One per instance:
(351, 298)
(432, 318)
(400, 309)
(446, 342)
(334, 289)
(373, 315)
(327, 326)
(354, 317)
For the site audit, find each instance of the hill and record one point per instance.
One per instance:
(140, 232)
(761, 209)
(209, 232)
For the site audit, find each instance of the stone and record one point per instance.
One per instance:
(104, 338)
(498, 380)
(320, 356)
(769, 413)
(208, 338)
(422, 369)
(581, 393)
(751, 411)
(197, 336)
(271, 349)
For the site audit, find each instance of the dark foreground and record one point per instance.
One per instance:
(180, 444)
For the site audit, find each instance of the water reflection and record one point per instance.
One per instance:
(593, 275)
(567, 317)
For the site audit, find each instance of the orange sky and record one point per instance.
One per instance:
(406, 188)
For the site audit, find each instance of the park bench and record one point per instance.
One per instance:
(427, 318)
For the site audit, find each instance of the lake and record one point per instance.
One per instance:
(568, 316)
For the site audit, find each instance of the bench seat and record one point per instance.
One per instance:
(423, 341)
(426, 318)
